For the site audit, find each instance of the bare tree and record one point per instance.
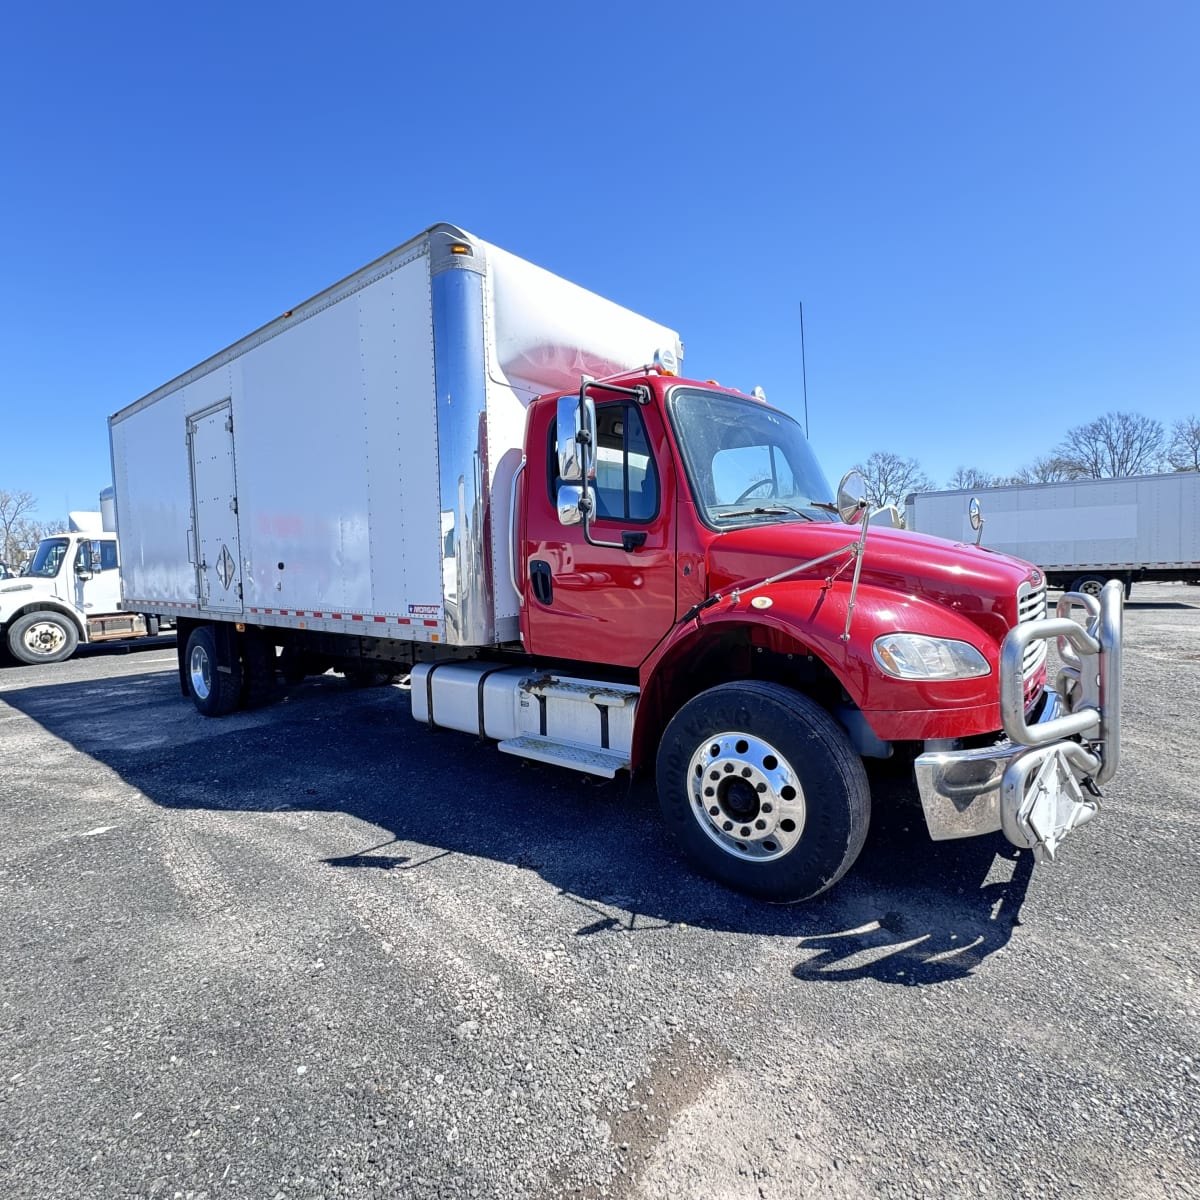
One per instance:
(890, 478)
(19, 533)
(1183, 450)
(966, 478)
(1114, 445)
(1051, 468)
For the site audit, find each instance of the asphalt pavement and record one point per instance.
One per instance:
(318, 950)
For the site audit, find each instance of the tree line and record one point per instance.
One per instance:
(1110, 447)
(19, 531)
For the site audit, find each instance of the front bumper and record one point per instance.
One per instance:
(1039, 781)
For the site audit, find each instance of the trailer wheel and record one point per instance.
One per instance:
(370, 677)
(214, 680)
(152, 625)
(763, 790)
(42, 637)
(1089, 585)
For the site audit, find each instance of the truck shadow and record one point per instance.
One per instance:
(911, 911)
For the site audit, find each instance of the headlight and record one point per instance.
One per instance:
(913, 656)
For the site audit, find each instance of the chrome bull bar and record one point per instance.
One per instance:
(1041, 797)
(1040, 780)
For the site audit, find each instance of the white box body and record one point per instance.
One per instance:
(348, 467)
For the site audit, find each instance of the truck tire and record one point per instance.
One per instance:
(42, 637)
(214, 680)
(151, 624)
(260, 684)
(763, 790)
(370, 677)
(1089, 585)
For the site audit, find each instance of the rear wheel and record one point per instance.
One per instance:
(42, 637)
(763, 790)
(214, 679)
(1089, 585)
(260, 684)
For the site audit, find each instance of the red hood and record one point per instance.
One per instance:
(980, 584)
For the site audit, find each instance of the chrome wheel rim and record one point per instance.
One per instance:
(746, 797)
(200, 671)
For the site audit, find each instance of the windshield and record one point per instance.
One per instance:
(747, 462)
(48, 557)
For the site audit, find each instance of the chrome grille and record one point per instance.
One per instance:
(1031, 606)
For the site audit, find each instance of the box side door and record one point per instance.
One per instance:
(215, 509)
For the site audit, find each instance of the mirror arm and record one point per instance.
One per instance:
(859, 546)
(583, 439)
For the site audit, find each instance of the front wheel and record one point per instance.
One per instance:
(42, 637)
(763, 790)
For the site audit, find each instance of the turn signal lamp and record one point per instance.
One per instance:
(460, 248)
(665, 361)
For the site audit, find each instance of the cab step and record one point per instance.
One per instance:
(565, 754)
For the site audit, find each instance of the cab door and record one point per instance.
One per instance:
(602, 604)
(97, 581)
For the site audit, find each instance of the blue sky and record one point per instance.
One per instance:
(988, 211)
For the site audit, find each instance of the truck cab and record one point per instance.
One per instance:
(682, 539)
(69, 593)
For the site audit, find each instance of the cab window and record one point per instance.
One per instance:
(626, 484)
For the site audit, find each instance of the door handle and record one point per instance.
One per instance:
(539, 578)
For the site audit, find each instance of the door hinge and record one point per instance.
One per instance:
(229, 423)
(233, 506)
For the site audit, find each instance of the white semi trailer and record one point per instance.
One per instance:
(1081, 532)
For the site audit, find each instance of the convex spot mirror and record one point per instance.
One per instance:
(975, 514)
(852, 497)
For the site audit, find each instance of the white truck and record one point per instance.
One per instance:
(456, 465)
(1081, 532)
(70, 593)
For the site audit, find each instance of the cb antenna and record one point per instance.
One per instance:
(803, 369)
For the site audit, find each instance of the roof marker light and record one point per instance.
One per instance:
(759, 394)
(665, 361)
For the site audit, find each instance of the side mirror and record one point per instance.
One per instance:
(852, 497)
(570, 436)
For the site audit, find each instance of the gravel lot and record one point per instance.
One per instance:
(318, 950)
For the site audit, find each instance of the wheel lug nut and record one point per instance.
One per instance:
(760, 824)
(745, 831)
(714, 811)
(727, 826)
(767, 808)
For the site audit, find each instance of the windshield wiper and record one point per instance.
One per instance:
(774, 510)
